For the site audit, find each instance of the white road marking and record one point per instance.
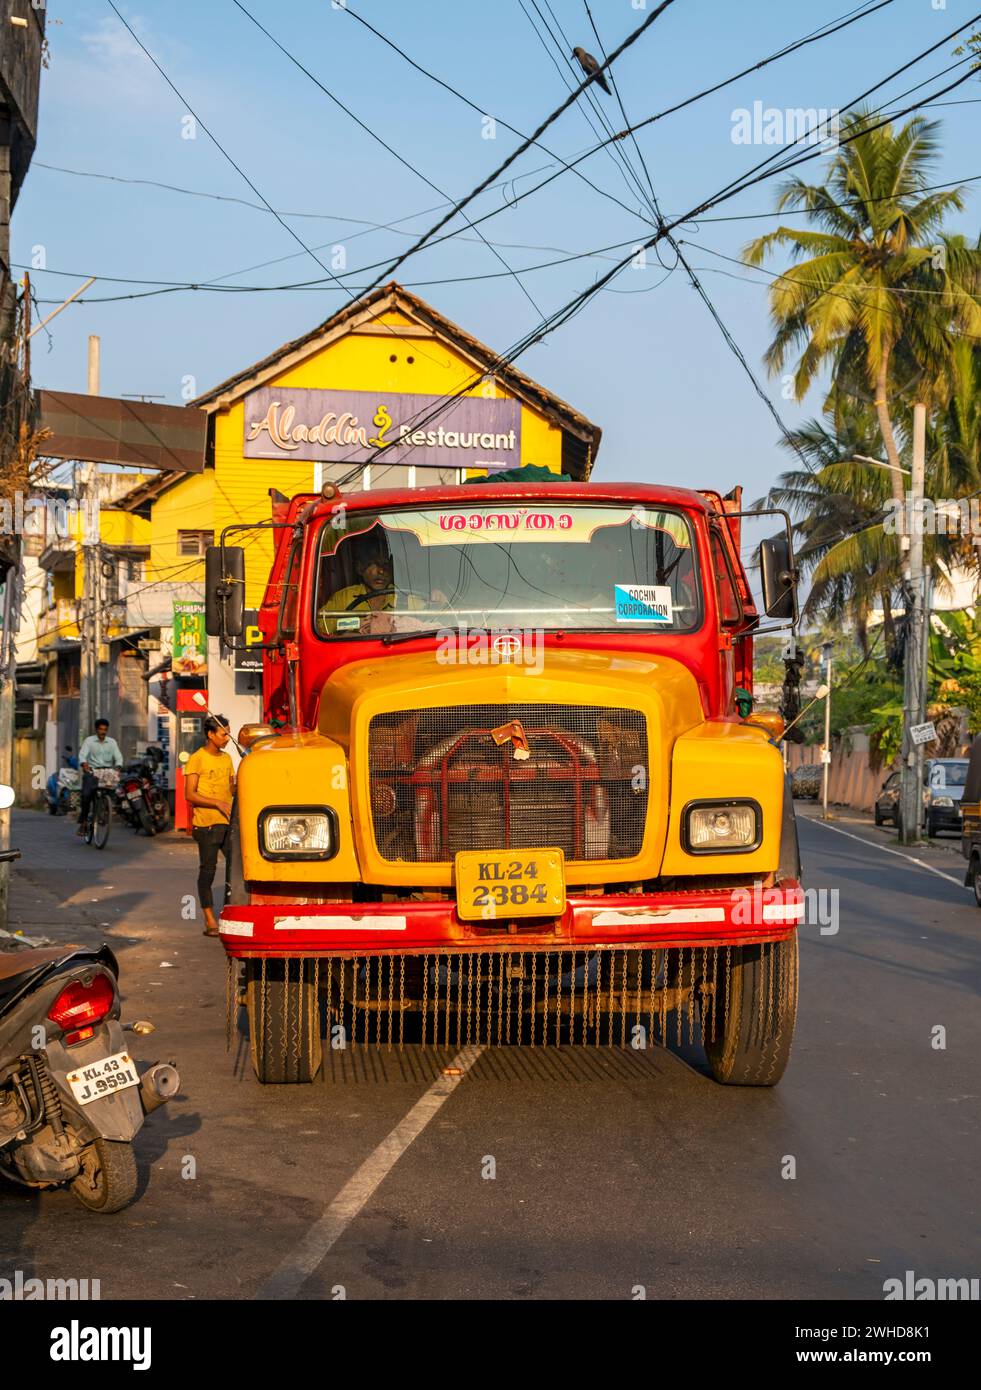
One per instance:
(910, 859)
(296, 1268)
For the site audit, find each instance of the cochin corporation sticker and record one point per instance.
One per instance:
(643, 603)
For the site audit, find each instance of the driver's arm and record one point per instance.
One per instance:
(339, 602)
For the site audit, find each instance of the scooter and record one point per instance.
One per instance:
(139, 799)
(71, 1098)
(63, 789)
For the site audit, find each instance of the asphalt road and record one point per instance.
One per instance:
(614, 1171)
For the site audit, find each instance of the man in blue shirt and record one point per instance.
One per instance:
(98, 751)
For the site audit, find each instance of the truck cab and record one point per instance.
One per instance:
(509, 787)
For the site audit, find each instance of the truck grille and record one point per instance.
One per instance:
(460, 778)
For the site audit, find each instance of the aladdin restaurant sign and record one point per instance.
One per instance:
(350, 426)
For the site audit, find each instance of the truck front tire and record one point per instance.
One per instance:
(748, 1040)
(282, 1000)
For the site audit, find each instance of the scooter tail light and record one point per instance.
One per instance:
(80, 1006)
(80, 1035)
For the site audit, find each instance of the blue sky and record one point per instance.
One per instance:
(644, 360)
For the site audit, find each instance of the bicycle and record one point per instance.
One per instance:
(100, 812)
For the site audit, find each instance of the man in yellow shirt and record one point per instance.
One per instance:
(346, 610)
(209, 785)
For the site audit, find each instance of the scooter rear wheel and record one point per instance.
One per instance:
(107, 1182)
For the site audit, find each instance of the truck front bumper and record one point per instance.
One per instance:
(709, 917)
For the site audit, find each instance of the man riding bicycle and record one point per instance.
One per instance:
(97, 752)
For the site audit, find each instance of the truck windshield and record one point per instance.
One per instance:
(502, 565)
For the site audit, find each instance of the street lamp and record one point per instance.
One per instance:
(879, 463)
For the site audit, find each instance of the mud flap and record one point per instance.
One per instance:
(236, 893)
(789, 866)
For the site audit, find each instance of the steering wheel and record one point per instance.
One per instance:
(360, 598)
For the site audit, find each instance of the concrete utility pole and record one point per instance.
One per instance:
(95, 362)
(8, 668)
(826, 752)
(91, 623)
(914, 662)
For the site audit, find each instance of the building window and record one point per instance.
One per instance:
(134, 570)
(194, 543)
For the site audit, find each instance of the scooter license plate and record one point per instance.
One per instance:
(510, 883)
(135, 796)
(103, 1078)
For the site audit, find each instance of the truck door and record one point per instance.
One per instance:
(730, 618)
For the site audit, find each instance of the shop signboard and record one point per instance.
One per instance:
(393, 427)
(248, 648)
(190, 645)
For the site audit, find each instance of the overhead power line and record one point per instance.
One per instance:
(164, 287)
(823, 32)
(377, 138)
(756, 175)
(525, 144)
(499, 120)
(696, 284)
(238, 169)
(393, 226)
(215, 141)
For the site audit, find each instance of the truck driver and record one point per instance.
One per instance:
(374, 592)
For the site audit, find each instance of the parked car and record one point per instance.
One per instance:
(943, 787)
(806, 781)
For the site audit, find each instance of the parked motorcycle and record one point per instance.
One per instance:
(71, 1098)
(63, 788)
(140, 797)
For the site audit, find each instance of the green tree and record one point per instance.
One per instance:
(880, 294)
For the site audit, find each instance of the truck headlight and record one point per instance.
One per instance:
(722, 827)
(298, 832)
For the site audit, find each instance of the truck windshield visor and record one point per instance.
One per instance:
(590, 568)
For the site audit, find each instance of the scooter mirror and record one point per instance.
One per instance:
(7, 796)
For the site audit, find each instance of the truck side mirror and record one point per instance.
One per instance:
(778, 577)
(224, 591)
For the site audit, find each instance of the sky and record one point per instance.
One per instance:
(643, 359)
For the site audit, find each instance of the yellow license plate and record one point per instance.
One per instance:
(503, 883)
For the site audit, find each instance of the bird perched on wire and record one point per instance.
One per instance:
(590, 67)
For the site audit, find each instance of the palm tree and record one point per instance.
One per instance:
(838, 504)
(883, 293)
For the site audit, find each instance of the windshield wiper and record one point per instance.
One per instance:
(389, 638)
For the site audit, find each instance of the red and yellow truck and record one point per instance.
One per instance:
(509, 788)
